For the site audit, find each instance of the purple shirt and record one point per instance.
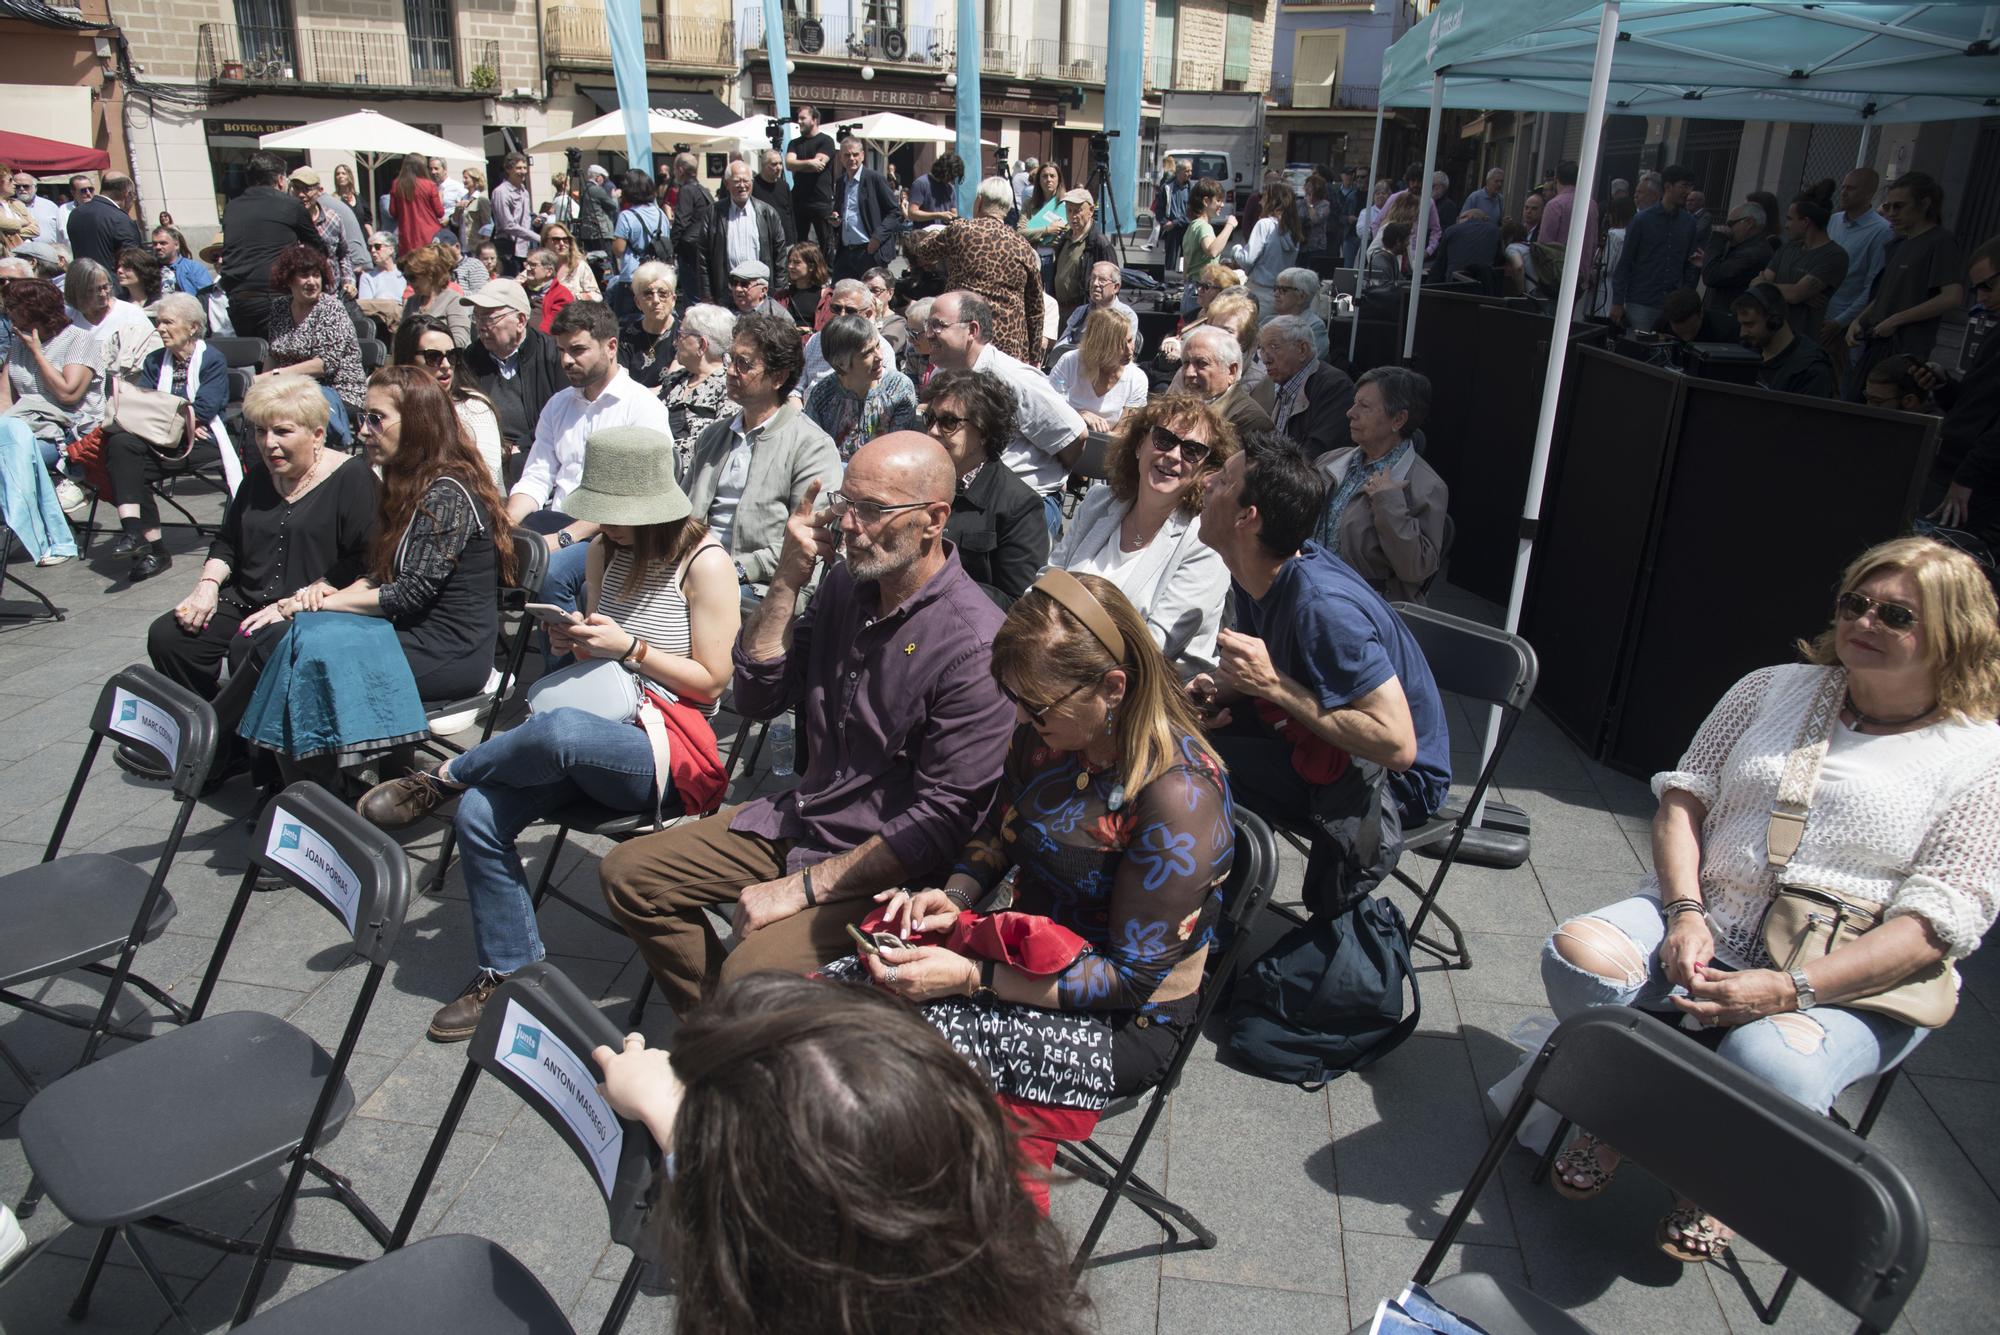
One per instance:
(1555, 220)
(905, 728)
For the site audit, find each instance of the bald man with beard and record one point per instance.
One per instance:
(904, 727)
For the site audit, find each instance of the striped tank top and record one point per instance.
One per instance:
(656, 611)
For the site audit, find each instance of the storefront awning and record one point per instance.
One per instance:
(26, 152)
(704, 109)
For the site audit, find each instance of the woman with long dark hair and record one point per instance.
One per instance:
(426, 341)
(138, 275)
(415, 205)
(805, 276)
(900, 1212)
(442, 538)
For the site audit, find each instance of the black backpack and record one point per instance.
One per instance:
(1327, 998)
(659, 244)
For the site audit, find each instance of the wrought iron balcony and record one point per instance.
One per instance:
(1048, 58)
(1337, 96)
(843, 37)
(576, 36)
(230, 54)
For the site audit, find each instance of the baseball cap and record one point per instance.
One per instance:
(497, 294)
(305, 176)
(1077, 196)
(752, 271)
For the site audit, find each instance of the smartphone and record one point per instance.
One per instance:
(874, 943)
(550, 612)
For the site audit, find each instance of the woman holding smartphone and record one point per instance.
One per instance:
(664, 607)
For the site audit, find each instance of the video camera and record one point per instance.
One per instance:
(775, 132)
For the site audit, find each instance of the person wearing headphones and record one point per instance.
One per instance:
(1792, 365)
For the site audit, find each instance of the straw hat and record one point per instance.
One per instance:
(628, 478)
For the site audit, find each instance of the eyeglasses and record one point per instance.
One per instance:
(944, 423)
(433, 357)
(868, 512)
(556, 240)
(744, 282)
(1194, 453)
(1203, 285)
(848, 310)
(375, 421)
(1039, 714)
(1853, 606)
(935, 326)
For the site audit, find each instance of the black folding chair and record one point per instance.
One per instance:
(1252, 877)
(1486, 665)
(374, 355)
(1812, 1194)
(91, 912)
(247, 353)
(535, 1036)
(531, 568)
(124, 1142)
(7, 576)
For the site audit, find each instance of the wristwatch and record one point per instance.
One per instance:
(1807, 997)
(742, 575)
(564, 538)
(984, 994)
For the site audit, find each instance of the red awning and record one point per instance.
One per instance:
(25, 152)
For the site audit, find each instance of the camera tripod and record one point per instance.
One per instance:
(1099, 185)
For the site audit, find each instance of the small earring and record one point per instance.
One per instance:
(1111, 719)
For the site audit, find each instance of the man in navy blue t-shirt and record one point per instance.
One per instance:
(1322, 699)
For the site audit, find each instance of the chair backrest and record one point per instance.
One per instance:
(249, 353)
(1096, 447)
(317, 844)
(536, 1036)
(531, 569)
(163, 720)
(374, 356)
(1816, 1197)
(240, 380)
(1479, 662)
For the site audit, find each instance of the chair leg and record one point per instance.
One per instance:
(159, 1280)
(549, 867)
(621, 1304)
(445, 850)
(638, 1011)
(79, 1306)
(1453, 956)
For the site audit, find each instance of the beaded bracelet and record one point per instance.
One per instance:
(1674, 908)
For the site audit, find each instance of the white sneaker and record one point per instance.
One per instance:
(74, 500)
(52, 559)
(13, 1242)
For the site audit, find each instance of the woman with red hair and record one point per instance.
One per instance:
(311, 334)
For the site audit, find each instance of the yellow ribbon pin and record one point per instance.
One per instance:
(910, 648)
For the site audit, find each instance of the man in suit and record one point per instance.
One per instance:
(744, 228)
(865, 214)
(1313, 397)
(1212, 366)
(101, 227)
(694, 222)
(256, 226)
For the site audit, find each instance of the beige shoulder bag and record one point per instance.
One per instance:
(1806, 921)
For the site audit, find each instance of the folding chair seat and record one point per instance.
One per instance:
(1485, 665)
(1813, 1195)
(1253, 875)
(452, 1284)
(80, 911)
(121, 1144)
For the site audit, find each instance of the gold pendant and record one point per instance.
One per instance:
(1082, 780)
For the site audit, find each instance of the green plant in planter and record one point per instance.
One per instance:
(484, 76)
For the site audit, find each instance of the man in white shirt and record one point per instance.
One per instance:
(600, 395)
(45, 211)
(1048, 434)
(450, 189)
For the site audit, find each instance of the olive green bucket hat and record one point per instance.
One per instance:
(628, 478)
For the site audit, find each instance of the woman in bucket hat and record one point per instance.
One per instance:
(664, 609)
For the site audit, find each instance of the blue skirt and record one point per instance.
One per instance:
(337, 683)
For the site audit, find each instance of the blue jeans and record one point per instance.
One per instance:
(552, 760)
(339, 429)
(28, 502)
(1809, 1057)
(1052, 509)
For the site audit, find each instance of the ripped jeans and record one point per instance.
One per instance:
(1809, 1056)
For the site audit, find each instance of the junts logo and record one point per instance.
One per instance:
(129, 713)
(527, 1041)
(288, 837)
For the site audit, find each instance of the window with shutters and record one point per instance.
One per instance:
(1166, 18)
(1236, 48)
(1316, 55)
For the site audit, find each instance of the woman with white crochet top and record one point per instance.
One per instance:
(1902, 818)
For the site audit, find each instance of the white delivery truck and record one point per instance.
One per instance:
(1220, 136)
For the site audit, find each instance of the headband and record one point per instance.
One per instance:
(1082, 604)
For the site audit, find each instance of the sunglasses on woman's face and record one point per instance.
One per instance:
(944, 424)
(1853, 606)
(1039, 714)
(1193, 452)
(433, 357)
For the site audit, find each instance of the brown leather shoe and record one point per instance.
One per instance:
(403, 802)
(456, 1022)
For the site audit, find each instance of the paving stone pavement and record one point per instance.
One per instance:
(1324, 1202)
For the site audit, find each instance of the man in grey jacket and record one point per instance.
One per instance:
(747, 473)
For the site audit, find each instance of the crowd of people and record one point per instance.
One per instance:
(754, 467)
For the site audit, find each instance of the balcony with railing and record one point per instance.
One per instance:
(1317, 95)
(231, 54)
(1047, 58)
(844, 37)
(576, 36)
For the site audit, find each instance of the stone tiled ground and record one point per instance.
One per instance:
(1324, 1202)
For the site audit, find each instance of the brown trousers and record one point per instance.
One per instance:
(658, 887)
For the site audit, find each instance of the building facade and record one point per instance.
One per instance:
(1326, 72)
(59, 76)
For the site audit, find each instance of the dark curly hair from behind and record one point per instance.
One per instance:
(34, 304)
(838, 1167)
(985, 401)
(296, 260)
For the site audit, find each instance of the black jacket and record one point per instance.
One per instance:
(1969, 445)
(694, 212)
(540, 373)
(881, 216)
(256, 226)
(99, 230)
(1728, 275)
(779, 196)
(771, 246)
(1321, 425)
(1002, 532)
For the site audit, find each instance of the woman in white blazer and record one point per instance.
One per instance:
(1138, 530)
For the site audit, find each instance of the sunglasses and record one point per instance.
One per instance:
(1039, 714)
(1853, 606)
(944, 423)
(375, 421)
(848, 310)
(869, 513)
(1194, 453)
(433, 357)
(556, 240)
(1207, 287)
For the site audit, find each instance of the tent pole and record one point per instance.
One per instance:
(1575, 246)
(1422, 235)
(1861, 155)
(1361, 255)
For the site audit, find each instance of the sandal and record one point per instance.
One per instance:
(1580, 1160)
(1687, 1234)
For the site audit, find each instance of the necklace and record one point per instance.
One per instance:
(1869, 720)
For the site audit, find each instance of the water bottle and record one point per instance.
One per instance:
(779, 743)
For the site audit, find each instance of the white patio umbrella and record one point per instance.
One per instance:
(607, 134)
(372, 137)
